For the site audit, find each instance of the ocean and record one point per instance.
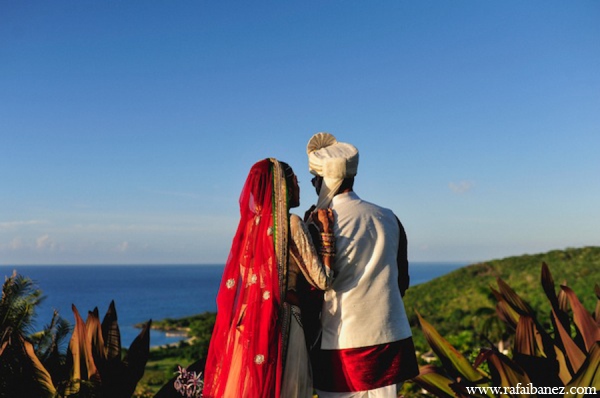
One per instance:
(143, 292)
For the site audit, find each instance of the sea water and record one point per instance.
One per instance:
(143, 292)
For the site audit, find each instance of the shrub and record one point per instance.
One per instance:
(568, 356)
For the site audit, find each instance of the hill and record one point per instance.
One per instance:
(452, 301)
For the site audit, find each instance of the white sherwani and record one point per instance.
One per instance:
(364, 306)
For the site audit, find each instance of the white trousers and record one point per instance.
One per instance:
(383, 392)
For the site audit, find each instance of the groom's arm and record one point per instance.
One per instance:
(402, 259)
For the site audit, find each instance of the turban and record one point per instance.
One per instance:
(333, 161)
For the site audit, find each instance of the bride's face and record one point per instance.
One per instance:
(295, 193)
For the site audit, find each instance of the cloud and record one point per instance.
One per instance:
(123, 246)
(44, 242)
(461, 187)
(15, 244)
(14, 224)
(41, 243)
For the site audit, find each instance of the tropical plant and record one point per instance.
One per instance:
(95, 360)
(566, 357)
(467, 289)
(20, 298)
(94, 366)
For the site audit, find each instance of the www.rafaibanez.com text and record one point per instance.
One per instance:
(528, 389)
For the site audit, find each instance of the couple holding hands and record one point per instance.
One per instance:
(313, 303)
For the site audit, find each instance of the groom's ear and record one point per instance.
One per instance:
(318, 184)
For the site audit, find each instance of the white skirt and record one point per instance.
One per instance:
(297, 376)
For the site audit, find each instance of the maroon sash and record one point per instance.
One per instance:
(365, 368)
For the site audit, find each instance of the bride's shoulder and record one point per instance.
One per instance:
(296, 223)
(295, 220)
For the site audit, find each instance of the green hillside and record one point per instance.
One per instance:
(450, 302)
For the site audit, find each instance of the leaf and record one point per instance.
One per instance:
(597, 312)
(550, 290)
(574, 356)
(496, 294)
(454, 362)
(83, 364)
(584, 321)
(564, 373)
(41, 375)
(94, 335)
(507, 314)
(112, 370)
(3, 344)
(505, 372)
(589, 373)
(513, 299)
(136, 359)
(431, 379)
(74, 353)
(535, 353)
(525, 337)
(548, 285)
(111, 333)
(563, 302)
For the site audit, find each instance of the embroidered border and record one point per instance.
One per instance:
(280, 238)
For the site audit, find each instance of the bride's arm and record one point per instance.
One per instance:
(315, 268)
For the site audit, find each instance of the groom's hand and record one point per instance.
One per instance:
(323, 218)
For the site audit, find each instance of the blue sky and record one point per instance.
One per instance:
(127, 128)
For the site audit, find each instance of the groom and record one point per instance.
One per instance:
(366, 347)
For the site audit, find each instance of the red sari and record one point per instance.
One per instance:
(247, 349)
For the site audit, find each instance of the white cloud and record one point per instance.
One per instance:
(461, 187)
(44, 242)
(123, 246)
(15, 244)
(14, 224)
(41, 243)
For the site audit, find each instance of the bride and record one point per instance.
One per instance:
(258, 347)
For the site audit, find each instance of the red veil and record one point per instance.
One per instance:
(246, 353)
